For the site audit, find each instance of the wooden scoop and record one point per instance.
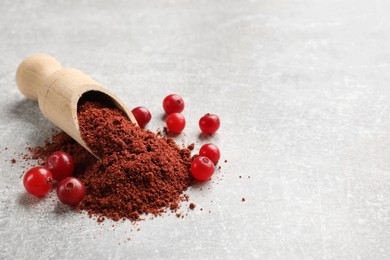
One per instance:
(58, 91)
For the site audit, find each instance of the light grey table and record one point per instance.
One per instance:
(302, 89)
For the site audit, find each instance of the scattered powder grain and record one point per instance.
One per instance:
(192, 205)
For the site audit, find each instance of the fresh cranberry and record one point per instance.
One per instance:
(38, 181)
(202, 168)
(70, 191)
(210, 151)
(209, 123)
(173, 104)
(60, 164)
(142, 115)
(176, 123)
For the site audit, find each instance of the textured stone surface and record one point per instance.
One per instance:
(302, 89)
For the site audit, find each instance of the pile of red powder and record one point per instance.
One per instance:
(139, 171)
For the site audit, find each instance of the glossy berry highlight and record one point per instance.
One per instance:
(142, 115)
(202, 168)
(38, 181)
(209, 123)
(70, 191)
(60, 164)
(176, 123)
(210, 151)
(173, 104)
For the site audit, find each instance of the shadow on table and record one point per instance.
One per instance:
(28, 111)
(163, 117)
(27, 200)
(202, 185)
(61, 209)
(204, 137)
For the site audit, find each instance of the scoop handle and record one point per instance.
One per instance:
(32, 73)
(59, 90)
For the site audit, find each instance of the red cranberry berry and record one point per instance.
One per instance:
(173, 104)
(209, 123)
(142, 115)
(202, 168)
(210, 151)
(175, 123)
(60, 164)
(70, 191)
(38, 181)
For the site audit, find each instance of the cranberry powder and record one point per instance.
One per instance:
(138, 172)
